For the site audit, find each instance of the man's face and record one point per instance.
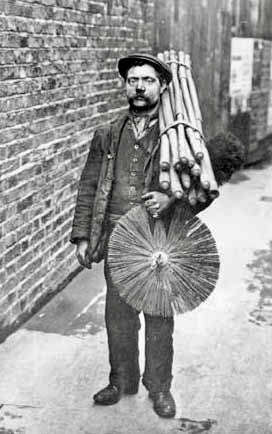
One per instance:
(143, 88)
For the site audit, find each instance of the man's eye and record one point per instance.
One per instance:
(131, 81)
(150, 80)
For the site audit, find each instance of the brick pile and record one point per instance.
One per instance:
(58, 84)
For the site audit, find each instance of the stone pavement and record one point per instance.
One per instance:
(52, 366)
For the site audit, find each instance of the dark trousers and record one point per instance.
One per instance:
(123, 324)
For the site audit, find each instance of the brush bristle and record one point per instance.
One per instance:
(184, 281)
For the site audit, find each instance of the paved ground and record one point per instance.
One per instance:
(51, 367)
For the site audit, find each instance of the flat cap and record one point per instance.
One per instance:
(126, 62)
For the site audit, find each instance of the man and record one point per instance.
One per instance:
(122, 171)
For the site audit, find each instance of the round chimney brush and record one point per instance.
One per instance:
(160, 271)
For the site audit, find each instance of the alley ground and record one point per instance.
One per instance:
(52, 366)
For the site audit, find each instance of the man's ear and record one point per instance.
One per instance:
(163, 86)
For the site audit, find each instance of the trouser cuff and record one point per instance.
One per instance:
(157, 387)
(127, 385)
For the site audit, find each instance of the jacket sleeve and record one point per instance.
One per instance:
(227, 154)
(81, 228)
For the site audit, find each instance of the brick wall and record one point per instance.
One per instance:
(58, 83)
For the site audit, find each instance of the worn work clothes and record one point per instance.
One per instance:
(122, 321)
(132, 155)
(102, 182)
(96, 184)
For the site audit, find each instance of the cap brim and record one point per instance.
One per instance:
(126, 62)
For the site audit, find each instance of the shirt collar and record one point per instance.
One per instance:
(140, 124)
(150, 116)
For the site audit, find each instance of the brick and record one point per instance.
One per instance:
(24, 245)
(19, 147)
(32, 267)
(10, 285)
(10, 134)
(56, 247)
(23, 302)
(94, 8)
(10, 239)
(9, 166)
(36, 292)
(4, 306)
(37, 237)
(25, 259)
(28, 283)
(3, 215)
(11, 269)
(25, 203)
(46, 217)
(14, 312)
(12, 253)
(36, 224)
(2, 276)
(24, 231)
(3, 153)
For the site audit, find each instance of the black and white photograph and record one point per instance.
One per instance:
(135, 216)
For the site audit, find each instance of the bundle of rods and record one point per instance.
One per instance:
(185, 166)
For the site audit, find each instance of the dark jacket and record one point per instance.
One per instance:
(97, 177)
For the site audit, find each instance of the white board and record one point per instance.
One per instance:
(241, 73)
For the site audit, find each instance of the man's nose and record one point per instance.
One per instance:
(140, 85)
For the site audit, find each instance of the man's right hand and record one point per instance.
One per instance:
(83, 255)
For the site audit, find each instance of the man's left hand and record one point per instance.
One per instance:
(156, 202)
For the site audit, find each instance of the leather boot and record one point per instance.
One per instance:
(111, 394)
(163, 404)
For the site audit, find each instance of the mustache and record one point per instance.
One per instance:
(139, 96)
